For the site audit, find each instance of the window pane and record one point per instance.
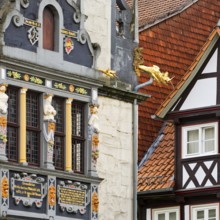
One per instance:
(12, 105)
(209, 139)
(192, 135)
(172, 216)
(12, 144)
(78, 156)
(212, 214)
(33, 148)
(58, 152)
(200, 215)
(193, 148)
(161, 216)
(58, 104)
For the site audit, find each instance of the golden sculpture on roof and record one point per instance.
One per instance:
(156, 74)
(108, 72)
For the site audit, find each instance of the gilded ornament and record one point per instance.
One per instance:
(14, 74)
(95, 140)
(108, 72)
(59, 86)
(81, 91)
(4, 187)
(51, 127)
(36, 80)
(156, 74)
(138, 60)
(26, 77)
(3, 121)
(95, 202)
(71, 88)
(52, 195)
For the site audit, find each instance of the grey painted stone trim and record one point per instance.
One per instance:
(52, 73)
(56, 173)
(123, 95)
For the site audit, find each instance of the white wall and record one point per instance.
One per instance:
(115, 161)
(98, 26)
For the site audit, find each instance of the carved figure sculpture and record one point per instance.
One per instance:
(49, 111)
(3, 99)
(94, 120)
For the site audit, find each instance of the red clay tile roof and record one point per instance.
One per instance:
(172, 45)
(157, 172)
(153, 11)
(161, 111)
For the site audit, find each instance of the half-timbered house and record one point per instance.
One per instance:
(184, 179)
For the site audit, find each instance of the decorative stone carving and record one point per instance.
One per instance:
(68, 192)
(28, 189)
(94, 119)
(3, 100)
(77, 13)
(95, 201)
(4, 201)
(49, 111)
(18, 20)
(25, 3)
(33, 35)
(94, 133)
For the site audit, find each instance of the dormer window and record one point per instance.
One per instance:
(199, 140)
(50, 35)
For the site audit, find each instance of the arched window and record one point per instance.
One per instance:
(48, 29)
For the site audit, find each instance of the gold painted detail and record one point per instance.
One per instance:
(32, 23)
(69, 33)
(52, 195)
(26, 77)
(13, 74)
(3, 132)
(156, 74)
(60, 86)
(51, 127)
(71, 88)
(36, 80)
(95, 202)
(108, 72)
(81, 91)
(95, 145)
(5, 187)
(138, 60)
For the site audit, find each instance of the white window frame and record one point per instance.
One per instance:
(205, 208)
(166, 211)
(201, 152)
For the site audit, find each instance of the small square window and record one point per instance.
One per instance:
(199, 140)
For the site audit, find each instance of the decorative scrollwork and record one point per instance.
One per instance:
(82, 36)
(77, 13)
(18, 20)
(25, 3)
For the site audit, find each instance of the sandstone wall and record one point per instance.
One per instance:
(115, 162)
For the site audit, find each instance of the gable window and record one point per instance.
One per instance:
(58, 155)
(166, 214)
(78, 138)
(33, 128)
(12, 124)
(209, 212)
(199, 140)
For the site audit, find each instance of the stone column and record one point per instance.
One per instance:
(94, 137)
(22, 156)
(3, 122)
(48, 130)
(68, 154)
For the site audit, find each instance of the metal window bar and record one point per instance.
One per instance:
(33, 128)
(12, 125)
(78, 138)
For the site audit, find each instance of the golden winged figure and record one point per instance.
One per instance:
(155, 73)
(108, 72)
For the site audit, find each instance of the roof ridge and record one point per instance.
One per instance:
(181, 9)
